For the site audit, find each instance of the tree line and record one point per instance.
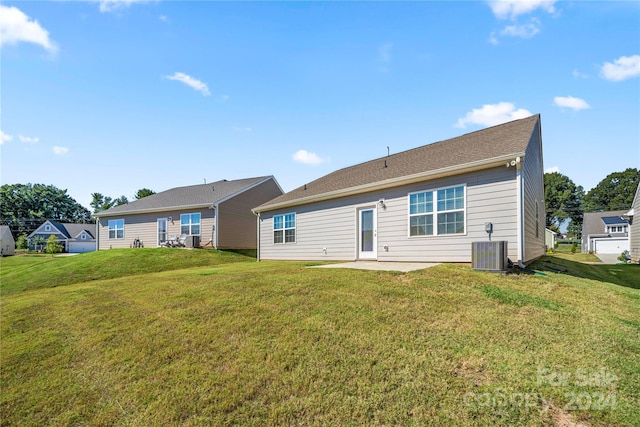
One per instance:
(25, 207)
(566, 201)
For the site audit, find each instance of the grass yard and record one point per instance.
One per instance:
(232, 341)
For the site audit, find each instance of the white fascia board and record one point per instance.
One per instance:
(395, 182)
(151, 210)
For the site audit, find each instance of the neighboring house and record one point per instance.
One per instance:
(634, 228)
(550, 238)
(605, 232)
(425, 204)
(74, 238)
(216, 215)
(7, 243)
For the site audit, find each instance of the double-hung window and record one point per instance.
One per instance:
(284, 228)
(421, 214)
(190, 224)
(116, 228)
(437, 212)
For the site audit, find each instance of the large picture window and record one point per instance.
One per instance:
(445, 216)
(116, 228)
(284, 228)
(190, 224)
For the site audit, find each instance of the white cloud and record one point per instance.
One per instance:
(493, 39)
(525, 31)
(578, 74)
(114, 5)
(622, 68)
(552, 169)
(191, 82)
(571, 102)
(4, 137)
(242, 129)
(28, 139)
(384, 52)
(493, 114)
(304, 156)
(16, 27)
(504, 9)
(60, 151)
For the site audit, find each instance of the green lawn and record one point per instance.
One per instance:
(239, 342)
(38, 271)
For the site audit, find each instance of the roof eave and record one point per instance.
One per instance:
(151, 210)
(393, 182)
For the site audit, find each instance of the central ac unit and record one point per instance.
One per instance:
(489, 256)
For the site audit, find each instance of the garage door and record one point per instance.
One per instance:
(76, 247)
(612, 246)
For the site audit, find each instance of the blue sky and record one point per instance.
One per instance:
(114, 96)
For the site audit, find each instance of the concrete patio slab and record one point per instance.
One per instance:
(381, 266)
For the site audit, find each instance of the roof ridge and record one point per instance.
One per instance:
(537, 116)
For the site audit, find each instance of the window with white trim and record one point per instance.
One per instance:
(284, 228)
(421, 214)
(47, 228)
(190, 224)
(446, 216)
(116, 229)
(83, 237)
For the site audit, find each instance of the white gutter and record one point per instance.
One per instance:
(163, 209)
(394, 182)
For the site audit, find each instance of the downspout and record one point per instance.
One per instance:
(215, 226)
(257, 236)
(97, 233)
(520, 212)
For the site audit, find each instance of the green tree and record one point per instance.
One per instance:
(101, 202)
(615, 192)
(53, 246)
(143, 192)
(562, 200)
(22, 242)
(38, 241)
(24, 207)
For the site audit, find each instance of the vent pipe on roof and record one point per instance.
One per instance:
(305, 187)
(385, 163)
(387, 151)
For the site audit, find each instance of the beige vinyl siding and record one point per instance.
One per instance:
(533, 190)
(490, 197)
(634, 230)
(145, 227)
(236, 223)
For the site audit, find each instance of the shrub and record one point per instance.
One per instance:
(574, 248)
(22, 242)
(53, 246)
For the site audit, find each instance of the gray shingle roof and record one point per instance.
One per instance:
(498, 141)
(202, 195)
(71, 230)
